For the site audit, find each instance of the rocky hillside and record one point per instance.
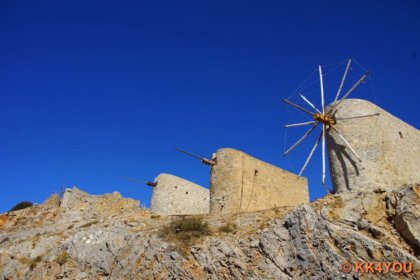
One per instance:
(81, 236)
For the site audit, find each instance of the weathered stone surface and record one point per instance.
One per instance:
(176, 196)
(389, 149)
(311, 241)
(79, 203)
(241, 183)
(407, 213)
(52, 202)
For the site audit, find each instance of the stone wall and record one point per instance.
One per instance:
(176, 196)
(241, 183)
(389, 149)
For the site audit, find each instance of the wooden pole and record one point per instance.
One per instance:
(342, 80)
(301, 139)
(349, 91)
(310, 104)
(323, 154)
(310, 154)
(321, 81)
(345, 141)
(299, 124)
(203, 160)
(297, 106)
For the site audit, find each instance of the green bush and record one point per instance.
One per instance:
(21, 205)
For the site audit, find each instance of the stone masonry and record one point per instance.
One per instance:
(389, 149)
(241, 183)
(176, 196)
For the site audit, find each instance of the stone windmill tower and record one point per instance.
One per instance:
(367, 146)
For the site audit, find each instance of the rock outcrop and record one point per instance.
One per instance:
(389, 149)
(79, 203)
(311, 241)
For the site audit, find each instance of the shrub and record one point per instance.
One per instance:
(62, 258)
(21, 205)
(34, 262)
(35, 239)
(185, 232)
(228, 228)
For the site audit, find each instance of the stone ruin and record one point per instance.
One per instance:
(241, 183)
(389, 149)
(238, 183)
(175, 196)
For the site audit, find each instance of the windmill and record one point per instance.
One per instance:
(325, 118)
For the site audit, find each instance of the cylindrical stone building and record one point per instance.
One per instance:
(389, 149)
(176, 196)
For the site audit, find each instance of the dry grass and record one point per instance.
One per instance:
(185, 232)
(32, 263)
(89, 224)
(35, 239)
(62, 258)
(229, 227)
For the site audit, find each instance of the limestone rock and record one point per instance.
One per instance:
(406, 204)
(88, 205)
(389, 149)
(52, 202)
(311, 241)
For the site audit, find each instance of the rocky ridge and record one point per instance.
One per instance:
(81, 236)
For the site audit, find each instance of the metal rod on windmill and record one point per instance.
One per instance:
(148, 183)
(202, 159)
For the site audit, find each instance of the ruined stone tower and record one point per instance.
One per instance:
(241, 183)
(389, 149)
(176, 196)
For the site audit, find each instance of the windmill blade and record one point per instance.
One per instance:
(301, 139)
(321, 81)
(356, 117)
(342, 80)
(349, 91)
(311, 154)
(323, 154)
(299, 124)
(310, 104)
(297, 106)
(347, 143)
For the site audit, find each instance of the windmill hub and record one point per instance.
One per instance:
(325, 119)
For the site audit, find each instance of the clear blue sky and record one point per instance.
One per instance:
(92, 91)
